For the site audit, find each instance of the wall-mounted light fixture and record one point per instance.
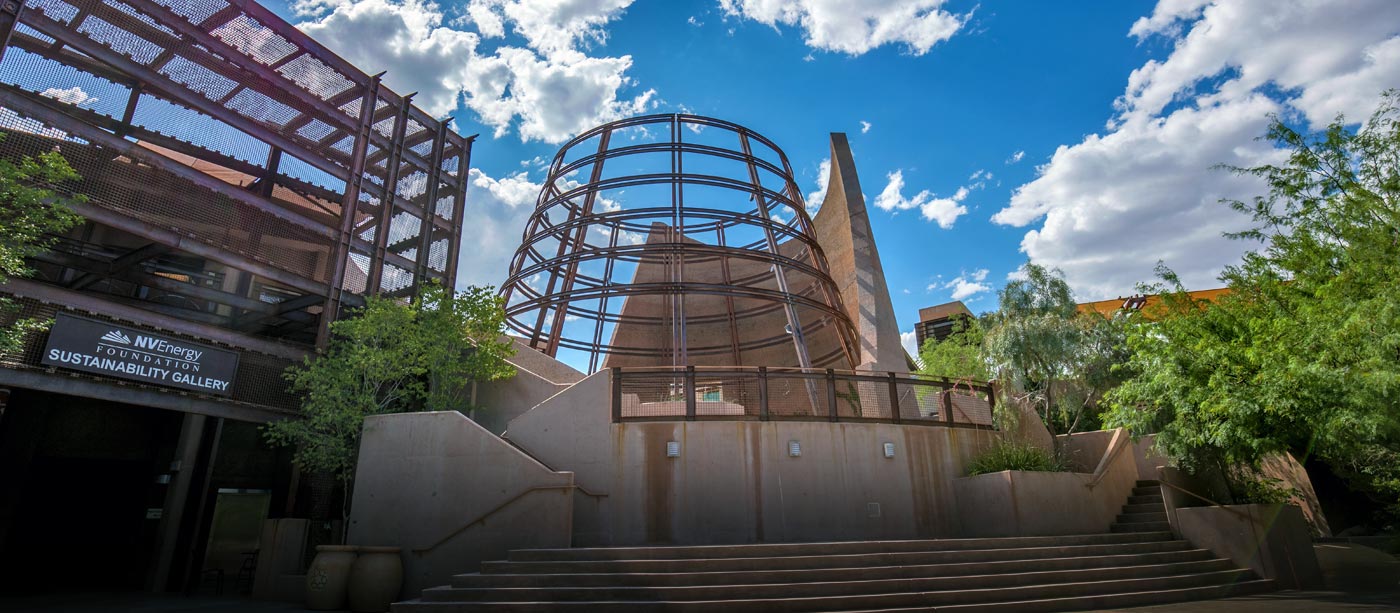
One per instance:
(889, 450)
(794, 448)
(673, 449)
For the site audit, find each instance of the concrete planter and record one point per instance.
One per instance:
(328, 577)
(375, 579)
(1273, 540)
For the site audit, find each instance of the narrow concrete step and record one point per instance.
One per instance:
(814, 549)
(830, 561)
(737, 603)
(827, 574)
(1137, 518)
(1141, 527)
(1147, 483)
(1145, 499)
(625, 591)
(1148, 490)
(1102, 601)
(1143, 508)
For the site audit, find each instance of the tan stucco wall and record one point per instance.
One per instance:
(734, 481)
(1019, 503)
(424, 476)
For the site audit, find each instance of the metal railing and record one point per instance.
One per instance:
(702, 393)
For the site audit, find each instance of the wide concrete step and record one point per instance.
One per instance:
(739, 603)
(1138, 518)
(1147, 482)
(1150, 490)
(624, 591)
(1100, 601)
(832, 561)
(1157, 499)
(1144, 508)
(1154, 526)
(816, 549)
(732, 578)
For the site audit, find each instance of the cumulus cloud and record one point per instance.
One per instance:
(943, 211)
(814, 199)
(966, 285)
(73, 95)
(497, 212)
(864, 127)
(1106, 209)
(854, 28)
(910, 342)
(547, 91)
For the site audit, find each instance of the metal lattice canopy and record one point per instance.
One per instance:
(675, 240)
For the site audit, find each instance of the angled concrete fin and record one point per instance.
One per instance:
(843, 229)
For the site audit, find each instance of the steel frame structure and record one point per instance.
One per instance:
(706, 217)
(242, 142)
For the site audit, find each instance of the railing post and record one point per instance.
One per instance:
(690, 393)
(616, 394)
(992, 402)
(763, 393)
(894, 397)
(831, 394)
(948, 405)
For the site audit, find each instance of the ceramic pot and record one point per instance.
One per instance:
(328, 576)
(375, 579)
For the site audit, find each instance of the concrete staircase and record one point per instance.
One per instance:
(1057, 573)
(1145, 510)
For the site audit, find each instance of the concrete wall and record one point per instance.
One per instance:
(1271, 540)
(1021, 503)
(734, 481)
(537, 377)
(452, 494)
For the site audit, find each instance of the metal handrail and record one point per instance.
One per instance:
(498, 508)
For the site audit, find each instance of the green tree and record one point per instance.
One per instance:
(1045, 353)
(1303, 354)
(392, 357)
(32, 214)
(959, 356)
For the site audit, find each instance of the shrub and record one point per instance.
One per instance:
(1013, 455)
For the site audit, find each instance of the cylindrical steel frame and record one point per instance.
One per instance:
(675, 240)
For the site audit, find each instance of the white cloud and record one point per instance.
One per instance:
(944, 211)
(1015, 157)
(695, 22)
(910, 342)
(815, 199)
(864, 127)
(73, 95)
(1112, 205)
(967, 285)
(854, 28)
(548, 92)
(496, 216)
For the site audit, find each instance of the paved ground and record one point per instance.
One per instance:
(1279, 602)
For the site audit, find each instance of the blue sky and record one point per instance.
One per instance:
(1080, 135)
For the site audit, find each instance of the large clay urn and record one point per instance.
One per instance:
(328, 576)
(375, 579)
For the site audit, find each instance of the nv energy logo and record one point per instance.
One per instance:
(116, 337)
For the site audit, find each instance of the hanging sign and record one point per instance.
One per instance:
(104, 348)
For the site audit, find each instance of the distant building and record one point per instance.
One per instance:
(937, 322)
(1139, 302)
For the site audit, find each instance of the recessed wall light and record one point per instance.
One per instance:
(673, 449)
(889, 450)
(794, 448)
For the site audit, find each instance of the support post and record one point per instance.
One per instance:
(948, 405)
(894, 397)
(9, 16)
(690, 393)
(348, 206)
(763, 393)
(616, 394)
(831, 394)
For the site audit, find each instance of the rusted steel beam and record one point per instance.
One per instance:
(459, 201)
(10, 11)
(386, 205)
(427, 219)
(119, 265)
(348, 208)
